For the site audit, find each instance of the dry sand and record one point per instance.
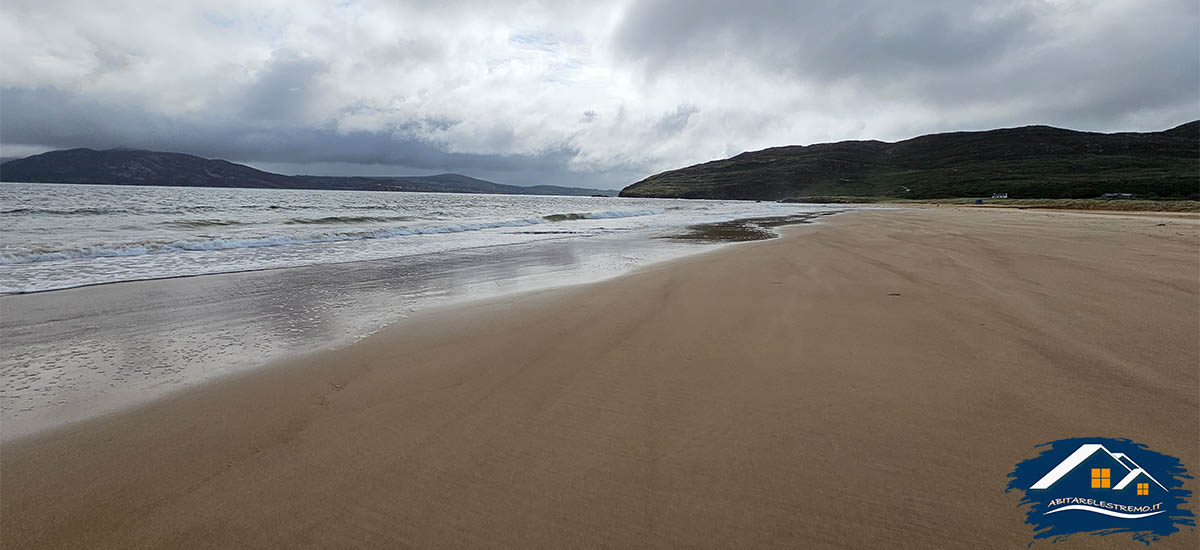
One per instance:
(863, 383)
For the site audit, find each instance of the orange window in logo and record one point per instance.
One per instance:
(1101, 478)
(1143, 488)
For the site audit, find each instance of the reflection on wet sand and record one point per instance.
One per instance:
(74, 353)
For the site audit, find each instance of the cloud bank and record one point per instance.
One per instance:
(574, 93)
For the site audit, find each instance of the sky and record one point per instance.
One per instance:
(589, 94)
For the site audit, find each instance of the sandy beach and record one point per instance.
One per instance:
(864, 382)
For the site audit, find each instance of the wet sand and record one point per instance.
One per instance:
(862, 383)
(72, 354)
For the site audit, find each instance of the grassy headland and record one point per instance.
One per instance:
(1120, 205)
(1035, 162)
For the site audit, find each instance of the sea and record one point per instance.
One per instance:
(56, 236)
(112, 296)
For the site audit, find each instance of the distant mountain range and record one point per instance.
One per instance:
(137, 167)
(1029, 162)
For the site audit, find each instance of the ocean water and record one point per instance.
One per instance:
(287, 272)
(55, 236)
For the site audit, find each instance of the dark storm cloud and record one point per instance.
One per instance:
(286, 89)
(588, 92)
(60, 119)
(1063, 62)
(823, 40)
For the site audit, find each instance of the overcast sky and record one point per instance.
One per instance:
(587, 93)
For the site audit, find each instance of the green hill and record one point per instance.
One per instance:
(1028, 162)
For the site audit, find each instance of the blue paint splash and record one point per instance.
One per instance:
(1166, 472)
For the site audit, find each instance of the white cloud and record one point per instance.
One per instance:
(554, 92)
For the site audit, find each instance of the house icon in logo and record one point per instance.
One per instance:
(1102, 467)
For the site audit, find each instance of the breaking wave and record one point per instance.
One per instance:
(140, 210)
(348, 219)
(600, 215)
(201, 223)
(144, 248)
(94, 211)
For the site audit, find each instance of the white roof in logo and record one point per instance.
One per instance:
(1083, 453)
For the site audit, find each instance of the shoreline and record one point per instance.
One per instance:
(264, 269)
(247, 231)
(124, 386)
(761, 395)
